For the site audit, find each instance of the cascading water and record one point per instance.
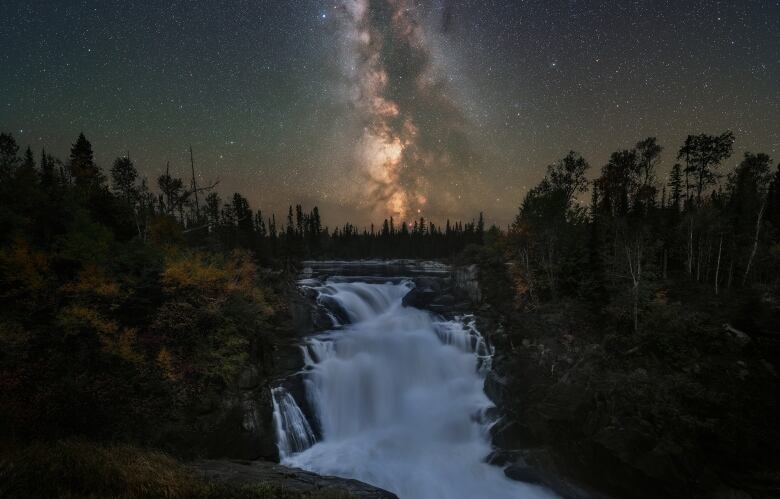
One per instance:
(293, 431)
(398, 396)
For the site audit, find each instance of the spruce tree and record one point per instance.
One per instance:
(83, 170)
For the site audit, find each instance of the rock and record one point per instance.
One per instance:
(467, 282)
(249, 379)
(436, 284)
(242, 430)
(507, 434)
(296, 480)
(502, 457)
(523, 473)
(335, 308)
(419, 298)
(495, 386)
(537, 466)
(738, 335)
(444, 301)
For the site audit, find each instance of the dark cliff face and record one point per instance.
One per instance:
(237, 422)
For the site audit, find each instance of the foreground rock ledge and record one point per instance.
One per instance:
(257, 472)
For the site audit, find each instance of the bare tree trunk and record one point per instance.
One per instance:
(698, 263)
(528, 273)
(550, 272)
(195, 187)
(755, 242)
(717, 267)
(665, 263)
(690, 249)
(731, 270)
(636, 277)
(137, 223)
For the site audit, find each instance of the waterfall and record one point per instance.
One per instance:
(293, 432)
(398, 396)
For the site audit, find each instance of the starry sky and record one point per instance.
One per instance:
(373, 108)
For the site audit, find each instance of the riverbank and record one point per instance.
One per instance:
(686, 407)
(81, 469)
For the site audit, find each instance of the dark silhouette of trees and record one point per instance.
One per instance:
(703, 155)
(704, 232)
(173, 196)
(123, 179)
(9, 158)
(83, 170)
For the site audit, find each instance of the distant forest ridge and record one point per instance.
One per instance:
(180, 209)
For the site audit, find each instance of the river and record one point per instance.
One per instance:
(398, 398)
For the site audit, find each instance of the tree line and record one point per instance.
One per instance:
(181, 211)
(717, 230)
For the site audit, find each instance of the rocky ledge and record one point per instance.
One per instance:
(296, 480)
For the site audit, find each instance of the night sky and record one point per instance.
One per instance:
(372, 108)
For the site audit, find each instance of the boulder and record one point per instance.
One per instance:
(433, 283)
(293, 479)
(523, 473)
(467, 283)
(335, 308)
(444, 300)
(419, 298)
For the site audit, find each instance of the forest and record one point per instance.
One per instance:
(126, 302)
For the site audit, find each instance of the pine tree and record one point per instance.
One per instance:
(480, 229)
(773, 200)
(85, 172)
(290, 226)
(9, 158)
(26, 179)
(173, 194)
(47, 169)
(123, 177)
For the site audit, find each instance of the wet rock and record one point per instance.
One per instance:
(436, 284)
(522, 473)
(444, 300)
(241, 429)
(496, 386)
(508, 434)
(419, 298)
(467, 282)
(293, 479)
(335, 308)
(502, 457)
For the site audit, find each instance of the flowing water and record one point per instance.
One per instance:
(398, 398)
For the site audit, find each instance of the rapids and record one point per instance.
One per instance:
(398, 397)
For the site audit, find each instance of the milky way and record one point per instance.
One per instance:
(411, 128)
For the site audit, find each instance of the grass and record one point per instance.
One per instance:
(72, 469)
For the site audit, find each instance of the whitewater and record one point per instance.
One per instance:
(398, 396)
